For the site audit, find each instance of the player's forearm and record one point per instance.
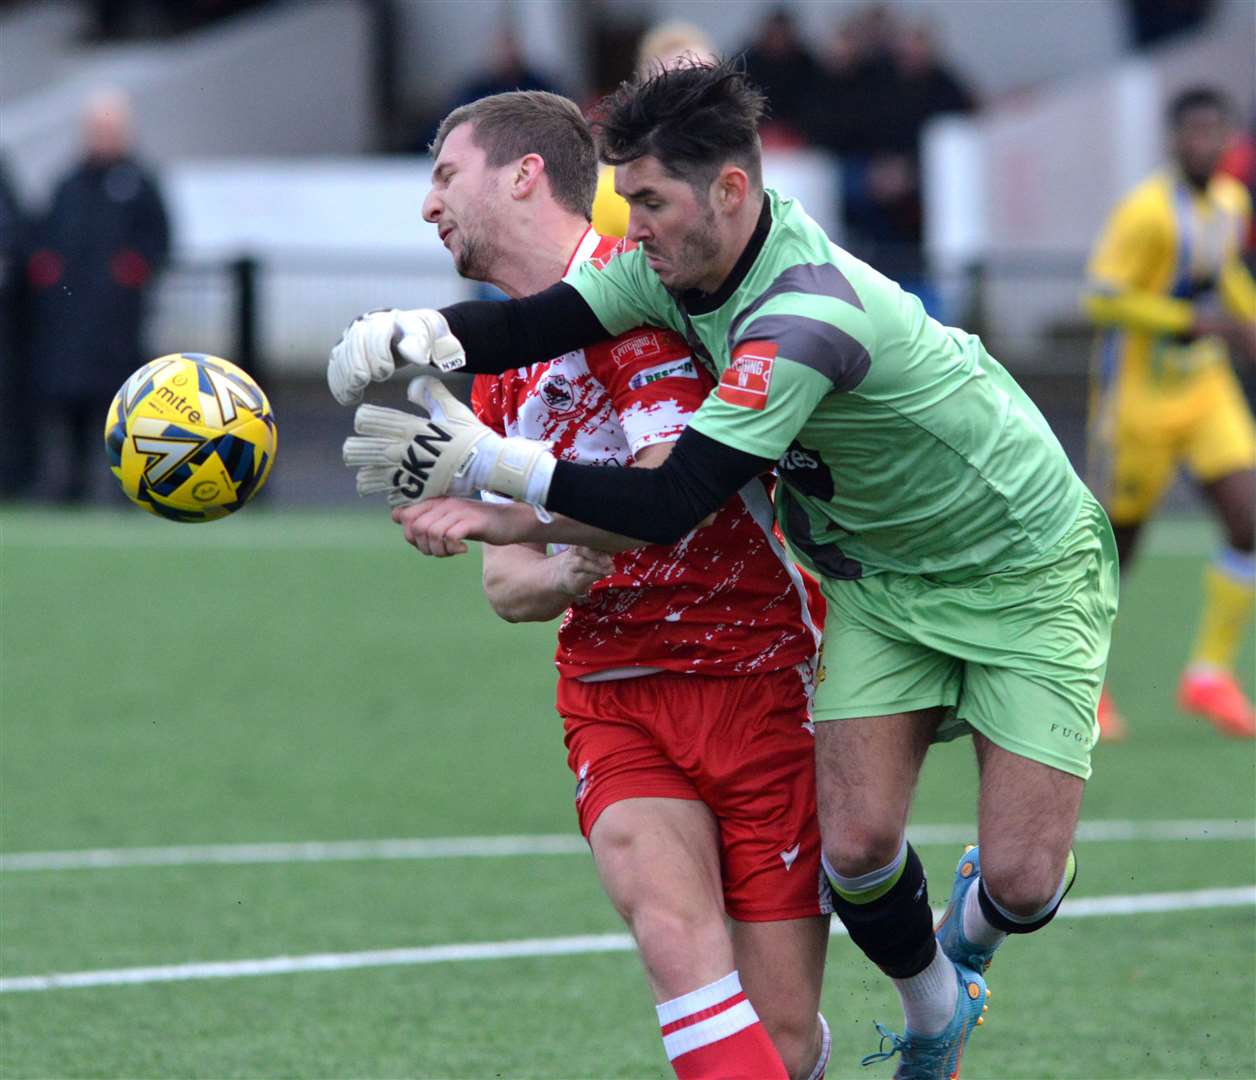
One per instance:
(1147, 312)
(499, 335)
(659, 505)
(1238, 290)
(520, 584)
(522, 526)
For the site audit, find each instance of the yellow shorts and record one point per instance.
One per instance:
(1141, 433)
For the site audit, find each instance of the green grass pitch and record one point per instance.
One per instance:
(289, 677)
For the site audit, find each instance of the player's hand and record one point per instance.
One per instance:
(440, 526)
(577, 569)
(1238, 334)
(449, 452)
(375, 343)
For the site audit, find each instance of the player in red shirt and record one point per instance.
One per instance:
(685, 671)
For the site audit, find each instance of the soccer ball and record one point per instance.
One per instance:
(190, 437)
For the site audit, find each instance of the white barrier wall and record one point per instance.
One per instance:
(1035, 178)
(224, 91)
(335, 238)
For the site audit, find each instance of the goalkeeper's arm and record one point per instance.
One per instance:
(499, 335)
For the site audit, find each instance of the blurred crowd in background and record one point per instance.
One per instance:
(76, 267)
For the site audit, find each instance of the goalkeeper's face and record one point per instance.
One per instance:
(676, 225)
(464, 205)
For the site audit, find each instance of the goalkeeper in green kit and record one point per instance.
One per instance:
(971, 578)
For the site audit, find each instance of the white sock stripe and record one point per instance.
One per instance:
(697, 1000)
(826, 1046)
(870, 880)
(711, 1030)
(1239, 565)
(1025, 920)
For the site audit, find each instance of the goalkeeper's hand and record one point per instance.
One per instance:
(375, 343)
(411, 458)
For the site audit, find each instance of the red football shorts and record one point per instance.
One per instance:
(740, 744)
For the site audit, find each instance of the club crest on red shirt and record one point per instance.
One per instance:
(748, 377)
(557, 393)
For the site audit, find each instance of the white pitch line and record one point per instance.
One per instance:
(1095, 907)
(454, 847)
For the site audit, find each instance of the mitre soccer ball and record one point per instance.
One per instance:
(190, 437)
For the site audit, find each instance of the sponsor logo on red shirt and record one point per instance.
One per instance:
(748, 377)
(637, 347)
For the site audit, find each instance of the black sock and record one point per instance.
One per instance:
(895, 930)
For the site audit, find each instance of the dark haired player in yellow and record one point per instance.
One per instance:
(1174, 301)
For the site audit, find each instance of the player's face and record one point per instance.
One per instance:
(463, 204)
(675, 226)
(1199, 140)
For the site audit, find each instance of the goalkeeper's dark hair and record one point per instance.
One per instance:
(695, 118)
(509, 126)
(1197, 97)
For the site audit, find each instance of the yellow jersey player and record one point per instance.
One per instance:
(1174, 301)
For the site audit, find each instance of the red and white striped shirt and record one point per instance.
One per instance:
(725, 599)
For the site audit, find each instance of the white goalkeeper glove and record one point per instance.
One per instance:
(410, 458)
(375, 343)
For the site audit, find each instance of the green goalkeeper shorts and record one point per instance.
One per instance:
(1018, 655)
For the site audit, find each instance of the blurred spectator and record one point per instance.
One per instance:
(662, 46)
(94, 257)
(507, 70)
(779, 63)
(881, 86)
(1152, 21)
(669, 42)
(856, 79)
(1239, 161)
(18, 442)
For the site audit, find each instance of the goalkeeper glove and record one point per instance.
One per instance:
(373, 345)
(410, 458)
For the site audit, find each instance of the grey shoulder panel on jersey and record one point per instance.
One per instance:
(816, 344)
(812, 279)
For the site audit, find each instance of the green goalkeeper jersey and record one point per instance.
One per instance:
(901, 443)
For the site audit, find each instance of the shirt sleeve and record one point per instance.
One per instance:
(793, 353)
(1238, 289)
(486, 403)
(654, 384)
(1134, 243)
(625, 294)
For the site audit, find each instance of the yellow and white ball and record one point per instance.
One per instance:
(190, 437)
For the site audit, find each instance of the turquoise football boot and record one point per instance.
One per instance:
(937, 1057)
(950, 929)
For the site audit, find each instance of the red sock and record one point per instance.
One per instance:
(713, 1033)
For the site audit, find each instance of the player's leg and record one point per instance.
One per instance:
(866, 771)
(658, 861)
(755, 769)
(656, 848)
(782, 968)
(876, 711)
(1131, 459)
(81, 423)
(1027, 814)
(1036, 646)
(1208, 686)
(1222, 456)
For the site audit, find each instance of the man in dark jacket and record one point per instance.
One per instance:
(96, 253)
(18, 445)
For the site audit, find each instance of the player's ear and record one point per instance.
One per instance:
(732, 186)
(527, 175)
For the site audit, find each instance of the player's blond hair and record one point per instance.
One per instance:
(508, 126)
(668, 41)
